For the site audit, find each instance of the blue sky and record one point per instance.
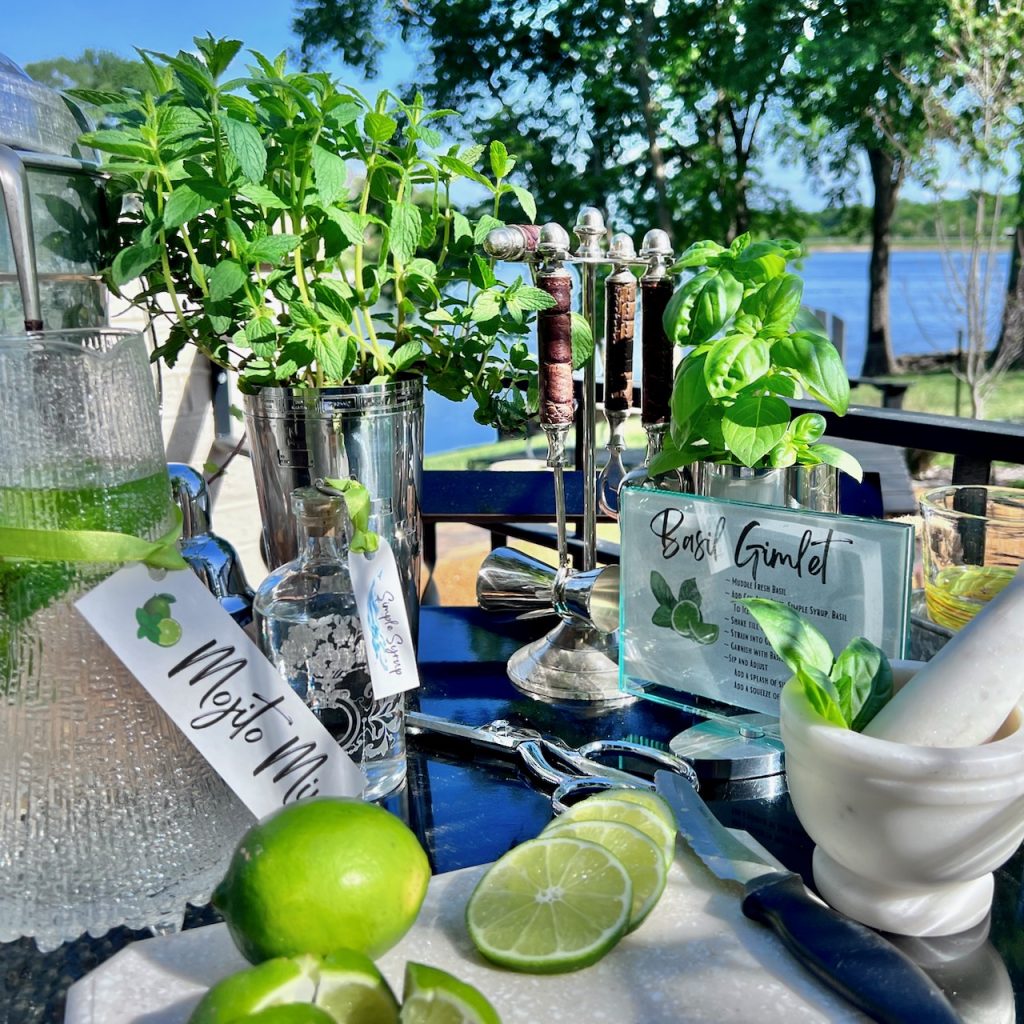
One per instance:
(32, 30)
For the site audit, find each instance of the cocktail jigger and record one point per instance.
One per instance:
(620, 323)
(511, 581)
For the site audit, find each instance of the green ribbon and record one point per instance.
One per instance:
(98, 546)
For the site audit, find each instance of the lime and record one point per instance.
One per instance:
(292, 1013)
(159, 606)
(323, 875)
(272, 983)
(684, 615)
(433, 996)
(704, 632)
(552, 904)
(604, 807)
(353, 991)
(169, 631)
(646, 798)
(640, 856)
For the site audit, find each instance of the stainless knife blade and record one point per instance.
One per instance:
(847, 956)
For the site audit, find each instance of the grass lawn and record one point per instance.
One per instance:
(929, 392)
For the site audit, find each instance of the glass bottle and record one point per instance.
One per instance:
(309, 628)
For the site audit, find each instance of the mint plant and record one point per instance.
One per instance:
(301, 234)
(750, 346)
(849, 689)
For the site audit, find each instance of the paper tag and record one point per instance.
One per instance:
(389, 650)
(216, 685)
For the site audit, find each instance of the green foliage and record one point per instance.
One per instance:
(848, 690)
(305, 235)
(657, 112)
(750, 346)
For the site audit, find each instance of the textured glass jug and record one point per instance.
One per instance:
(108, 815)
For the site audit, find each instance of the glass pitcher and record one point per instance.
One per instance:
(108, 815)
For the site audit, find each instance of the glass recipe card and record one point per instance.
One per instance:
(687, 561)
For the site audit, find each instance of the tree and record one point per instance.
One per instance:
(94, 69)
(850, 90)
(655, 114)
(975, 107)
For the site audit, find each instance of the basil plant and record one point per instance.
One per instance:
(749, 347)
(300, 234)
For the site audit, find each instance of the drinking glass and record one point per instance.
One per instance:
(108, 815)
(973, 542)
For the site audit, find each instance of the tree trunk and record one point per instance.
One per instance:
(652, 116)
(886, 178)
(1011, 335)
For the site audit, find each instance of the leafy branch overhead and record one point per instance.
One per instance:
(302, 234)
(750, 346)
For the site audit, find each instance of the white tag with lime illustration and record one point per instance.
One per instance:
(215, 684)
(385, 621)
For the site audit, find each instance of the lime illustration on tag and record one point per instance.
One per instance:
(681, 611)
(155, 621)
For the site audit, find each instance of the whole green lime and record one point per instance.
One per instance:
(323, 875)
(159, 605)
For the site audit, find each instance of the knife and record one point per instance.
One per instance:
(847, 956)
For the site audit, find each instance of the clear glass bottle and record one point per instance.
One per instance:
(309, 628)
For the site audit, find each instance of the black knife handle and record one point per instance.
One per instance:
(849, 957)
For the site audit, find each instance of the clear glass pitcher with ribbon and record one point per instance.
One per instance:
(108, 815)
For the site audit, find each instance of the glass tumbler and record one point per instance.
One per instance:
(108, 815)
(972, 544)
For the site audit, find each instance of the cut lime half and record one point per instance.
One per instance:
(605, 807)
(433, 996)
(640, 855)
(553, 904)
(271, 983)
(353, 991)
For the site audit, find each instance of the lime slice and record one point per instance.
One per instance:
(553, 904)
(645, 798)
(353, 991)
(640, 856)
(433, 996)
(271, 983)
(604, 807)
(169, 632)
(684, 616)
(291, 1013)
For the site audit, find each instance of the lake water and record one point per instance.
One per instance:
(922, 316)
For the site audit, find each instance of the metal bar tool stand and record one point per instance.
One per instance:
(575, 661)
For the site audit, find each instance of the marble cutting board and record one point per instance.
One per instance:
(695, 960)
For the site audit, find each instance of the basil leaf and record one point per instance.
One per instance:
(793, 639)
(699, 254)
(817, 366)
(759, 262)
(808, 427)
(821, 694)
(843, 461)
(689, 396)
(734, 363)
(754, 425)
(715, 304)
(871, 681)
(776, 302)
(679, 311)
(805, 320)
(661, 590)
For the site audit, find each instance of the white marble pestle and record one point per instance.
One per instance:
(965, 693)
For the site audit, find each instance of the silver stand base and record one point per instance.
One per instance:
(742, 747)
(574, 662)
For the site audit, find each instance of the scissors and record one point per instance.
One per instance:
(573, 771)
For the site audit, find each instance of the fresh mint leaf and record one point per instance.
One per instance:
(182, 205)
(526, 202)
(330, 174)
(246, 143)
(225, 279)
(501, 166)
(131, 262)
(404, 230)
(582, 339)
(793, 639)
(661, 590)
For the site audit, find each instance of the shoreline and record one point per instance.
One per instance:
(813, 246)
